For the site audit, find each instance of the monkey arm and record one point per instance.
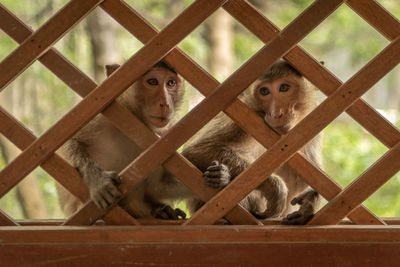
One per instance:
(102, 184)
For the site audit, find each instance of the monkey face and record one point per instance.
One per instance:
(159, 91)
(278, 99)
(154, 96)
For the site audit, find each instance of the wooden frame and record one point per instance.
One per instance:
(219, 97)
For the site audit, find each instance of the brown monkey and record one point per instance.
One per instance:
(99, 151)
(282, 97)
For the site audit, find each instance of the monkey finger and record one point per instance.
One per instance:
(293, 215)
(180, 213)
(214, 175)
(214, 185)
(116, 179)
(296, 201)
(218, 168)
(100, 202)
(113, 176)
(108, 198)
(214, 162)
(222, 180)
(113, 190)
(171, 213)
(161, 215)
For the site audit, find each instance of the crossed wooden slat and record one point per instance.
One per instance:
(177, 59)
(134, 129)
(221, 98)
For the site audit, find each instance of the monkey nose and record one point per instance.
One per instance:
(162, 105)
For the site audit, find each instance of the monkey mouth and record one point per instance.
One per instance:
(158, 121)
(279, 125)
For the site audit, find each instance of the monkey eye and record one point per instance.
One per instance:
(284, 87)
(264, 91)
(171, 83)
(152, 81)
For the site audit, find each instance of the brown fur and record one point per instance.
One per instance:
(99, 151)
(223, 141)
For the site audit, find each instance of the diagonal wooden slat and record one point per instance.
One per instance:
(118, 115)
(373, 112)
(358, 191)
(265, 30)
(221, 98)
(32, 48)
(318, 75)
(302, 133)
(55, 166)
(328, 188)
(377, 16)
(66, 175)
(134, 23)
(192, 72)
(105, 93)
(5, 220)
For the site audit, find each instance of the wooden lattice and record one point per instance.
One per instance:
(37, 45)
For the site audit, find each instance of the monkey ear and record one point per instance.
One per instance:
(111, 68)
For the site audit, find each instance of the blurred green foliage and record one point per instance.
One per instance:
(348, 149)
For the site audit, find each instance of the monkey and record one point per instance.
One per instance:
(99, 151)
(222, 150)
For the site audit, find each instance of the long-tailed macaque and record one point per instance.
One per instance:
(222, 150)
(99, 151)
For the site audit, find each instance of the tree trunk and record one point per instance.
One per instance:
(28, 191)
(221, 50)
(103, 31)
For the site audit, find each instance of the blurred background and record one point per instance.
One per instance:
(220, 45)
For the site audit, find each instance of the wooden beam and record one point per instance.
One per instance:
(206, 246)
(160, 222)
(209, 233)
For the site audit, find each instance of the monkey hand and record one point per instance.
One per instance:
(217, 175)
(167, 213)
(104, 191)
(306, 201)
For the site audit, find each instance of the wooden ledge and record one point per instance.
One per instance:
(272, 245)
(197, 234)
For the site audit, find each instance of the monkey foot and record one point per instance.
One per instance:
(296, 218)
(167, 213)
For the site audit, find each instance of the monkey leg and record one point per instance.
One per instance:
(308, 202)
